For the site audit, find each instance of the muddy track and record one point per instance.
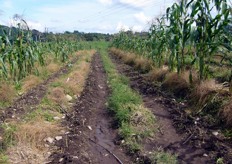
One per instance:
(90, 138)
(177, 132)
(33, 97)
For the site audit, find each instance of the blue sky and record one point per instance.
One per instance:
(106, 16)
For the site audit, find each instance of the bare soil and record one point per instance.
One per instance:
(91, 138)
(192, 140)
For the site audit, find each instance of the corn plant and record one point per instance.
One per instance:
(208, 30)
(19, 52)
(179, 31)
(158, 41)
(195, 29)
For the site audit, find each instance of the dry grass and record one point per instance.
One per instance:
(29, 135)
(75, 82)
(117, 52)
(227, 112)
(204, 91)
(72, 83)
(25, 154)
(7, 92)
(185, 76)
(157, 74)
(129, 58)
(143, 64)
(52, 67)
(132, 59)
(142, 119)
(30, 82)
(85, 52)
(176, 84)
(57, 95)
(36, 131)
(30, 147)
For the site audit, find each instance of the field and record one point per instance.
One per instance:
(163, 97)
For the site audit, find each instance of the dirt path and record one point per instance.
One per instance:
(33, 97)
(167, 138)
(91, 137)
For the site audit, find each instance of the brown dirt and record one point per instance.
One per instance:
(188, 137)
(29, 100)
(90, 139)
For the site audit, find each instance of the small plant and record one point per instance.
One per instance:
(18, 85)
(162, 157)
(8, 135)
(220, 161)
(3, 158)
(45, 114)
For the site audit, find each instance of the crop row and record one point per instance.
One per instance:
(190, 35)
(20, 54)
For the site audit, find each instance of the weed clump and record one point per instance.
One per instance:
(176, 84)
(157, 74)
(129, 59)
(143, 65)
(30, 82)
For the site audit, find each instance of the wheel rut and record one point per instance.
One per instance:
(91, 138)
(167, 137)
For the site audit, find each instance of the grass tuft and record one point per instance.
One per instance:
(142, 64)
(204, 93)
(29, 141)
(129, 59)
(30, 82)
(175, 84)
(162, 157)
(157, 74)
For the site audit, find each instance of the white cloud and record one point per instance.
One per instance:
(137, 28)
(105, 27)
(35, 25)
(31, 24)
(124, 27)
(106, 2)
(102, 28)
(121, 26)
(99, 15)
(142, 18)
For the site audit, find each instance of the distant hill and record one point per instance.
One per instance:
(12, 32)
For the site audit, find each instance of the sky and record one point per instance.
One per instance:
(103, 16)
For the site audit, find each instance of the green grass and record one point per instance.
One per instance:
(126, 105)
(161, 157)
(45, 114)
(8, 135)
(3, 158)
(56, 84)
